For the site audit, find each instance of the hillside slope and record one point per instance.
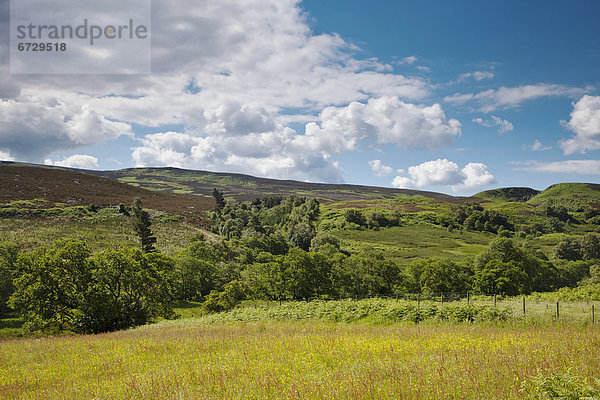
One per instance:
(200, 184)
(71, 187)
(508, 194)
(245, 187)
(571, 195)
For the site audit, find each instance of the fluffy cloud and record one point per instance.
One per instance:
(505, 97)
(255, 67)
(76, 161)
(247, 138)
(379, 169)
(442, 172)
(502, 124)
(31, 129)
(276, 154)
(585, 123)
(385, 120)
(580, 167)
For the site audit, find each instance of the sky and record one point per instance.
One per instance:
(453, 97)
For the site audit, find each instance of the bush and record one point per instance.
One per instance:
(233, 293)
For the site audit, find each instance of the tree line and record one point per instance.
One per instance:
(268, 249)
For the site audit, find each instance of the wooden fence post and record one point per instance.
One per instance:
(468, 298)
(593, 314)
(418, 299)
(557, 310)
(523, 305)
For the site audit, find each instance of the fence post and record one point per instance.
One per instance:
(418, 299)
(494, 299)
(442, 298)
(523, 305)
(593, 314)
(557, 311)
(468, 298)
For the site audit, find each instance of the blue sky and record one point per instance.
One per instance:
(454, 97)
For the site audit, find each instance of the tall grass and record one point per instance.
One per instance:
(190, 359)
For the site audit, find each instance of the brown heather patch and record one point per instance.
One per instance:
(73, 188)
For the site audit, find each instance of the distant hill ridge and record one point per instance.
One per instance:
(521, 194)
(175, 189)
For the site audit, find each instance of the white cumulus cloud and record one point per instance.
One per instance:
(386, 120)
(585, 123)
(442, 172)
(83, 161)
(31, 129)
(379, 169)
(255, 67)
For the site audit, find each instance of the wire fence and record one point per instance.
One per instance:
(584, 310)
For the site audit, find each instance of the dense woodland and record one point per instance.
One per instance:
(276, 249)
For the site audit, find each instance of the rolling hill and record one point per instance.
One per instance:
(76, 188)
(185, 192)
(158, 185)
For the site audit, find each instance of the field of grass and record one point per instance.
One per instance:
(100, 231)
(409, 242)
(190, 359)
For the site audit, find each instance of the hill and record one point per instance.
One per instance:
(191, 184)
(242, 187)
(58, 186)
(571, 195)
(508, 194)
(184, 191)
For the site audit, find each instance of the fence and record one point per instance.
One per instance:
(584, 310)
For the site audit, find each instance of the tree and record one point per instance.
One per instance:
(323, 238)
(590, 246)
(219, 200)
(301, 235)
(8, 258)
(355, 216)
(195, 278)
(498, 277)
(443, 276)
(64, 288)
(142, 225)
(268, 277)
(541, 275)
(568, 249)
(127, 288)
(52, 285)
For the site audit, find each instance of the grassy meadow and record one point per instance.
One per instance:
(194, 359)
(338, 349)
